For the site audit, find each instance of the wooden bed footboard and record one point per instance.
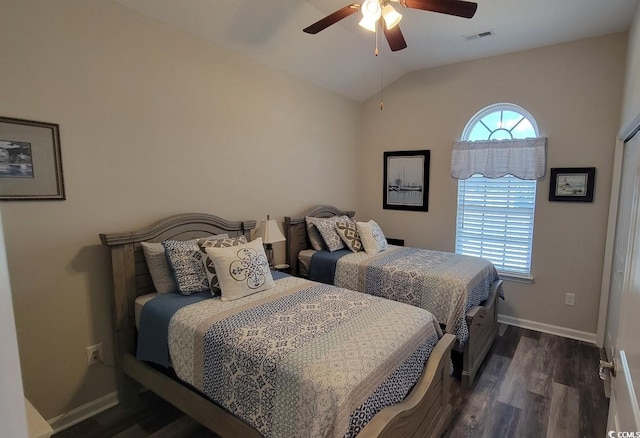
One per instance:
(483, 330)
(426, 412)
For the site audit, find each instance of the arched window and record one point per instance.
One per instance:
(495, 215)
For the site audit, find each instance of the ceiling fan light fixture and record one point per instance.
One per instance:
(391, 16)
(371, 9)
(369, 23)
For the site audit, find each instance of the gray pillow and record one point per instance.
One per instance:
(314, 235)
(159, 267)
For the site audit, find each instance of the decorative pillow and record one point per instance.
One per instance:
(242, 270)
(314, 235)
(372, 237)
(209, 269)
(186, 263)
(159, 267)
(327, 229)
(348, 232)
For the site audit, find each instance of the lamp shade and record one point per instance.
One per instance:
(391, 16)
(369, 23)
(269, 231)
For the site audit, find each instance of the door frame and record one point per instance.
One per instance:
(623, 135)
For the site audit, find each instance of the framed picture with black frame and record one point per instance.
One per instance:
(30, 160)
(572, 184)
(406, 180)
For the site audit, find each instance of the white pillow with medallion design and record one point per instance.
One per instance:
(372, 237)
(242, 270)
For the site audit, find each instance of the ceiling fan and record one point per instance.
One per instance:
(382, 12)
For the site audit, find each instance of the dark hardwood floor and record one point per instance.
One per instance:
(531, 385)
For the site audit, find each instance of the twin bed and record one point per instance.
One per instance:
(461, 291)
(299, 359)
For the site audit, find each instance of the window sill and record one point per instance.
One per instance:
(516, 278)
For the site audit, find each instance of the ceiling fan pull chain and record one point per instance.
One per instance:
(381, 84)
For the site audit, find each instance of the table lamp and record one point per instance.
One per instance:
(270, 233)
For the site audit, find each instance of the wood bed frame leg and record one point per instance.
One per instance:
(128, 388)
(128, 391)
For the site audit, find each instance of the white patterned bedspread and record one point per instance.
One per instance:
(446, 284)
(303, 358)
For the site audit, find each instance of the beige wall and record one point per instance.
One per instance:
(574, 92)
(631, 101)
(153, 122)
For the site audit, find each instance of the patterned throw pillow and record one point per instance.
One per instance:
(242, 270)
(327, 229)
(348, 232)
(159, 267)
(209, 268)
(186, 263)
(372, 237)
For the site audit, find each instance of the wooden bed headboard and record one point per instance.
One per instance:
(131, 276)
(295, 231)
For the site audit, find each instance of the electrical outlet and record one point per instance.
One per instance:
(94, 354)
(570, 299)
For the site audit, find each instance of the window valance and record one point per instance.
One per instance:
(523, 158)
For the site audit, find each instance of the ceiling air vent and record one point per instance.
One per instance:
(476, 36)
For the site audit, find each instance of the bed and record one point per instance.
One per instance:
(467, 310)
(425, 411)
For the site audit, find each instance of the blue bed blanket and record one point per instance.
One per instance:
(153, 330)
(323, 265)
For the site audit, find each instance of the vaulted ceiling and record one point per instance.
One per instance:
(341, 57)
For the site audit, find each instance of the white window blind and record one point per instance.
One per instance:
(495, 221)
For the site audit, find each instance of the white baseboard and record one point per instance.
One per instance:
(83, 412)
(548, 328)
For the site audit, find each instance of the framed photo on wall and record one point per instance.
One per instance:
(30, 160)
(406, 180)
(572, 184)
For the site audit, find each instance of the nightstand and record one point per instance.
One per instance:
(398, 242)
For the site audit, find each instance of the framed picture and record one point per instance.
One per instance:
(30, 161)
(572, 184)
(406, 180)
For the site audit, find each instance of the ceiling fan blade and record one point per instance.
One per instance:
(394, 38)
(458, 8)
(332, 18)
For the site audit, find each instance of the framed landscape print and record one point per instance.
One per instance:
(30, 160)
(572, 184)
(406, 180)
